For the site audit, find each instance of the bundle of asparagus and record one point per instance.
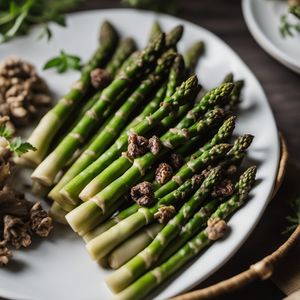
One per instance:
(156, 165)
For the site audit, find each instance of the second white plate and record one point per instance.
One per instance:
(263, 19)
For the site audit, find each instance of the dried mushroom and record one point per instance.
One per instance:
(22, 91)
(5, 254)
(163, 173)
(40, 223)
(143, 193)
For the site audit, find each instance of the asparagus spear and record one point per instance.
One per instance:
(105, 242)
(189, 230)
(138, 265)
(211, 99)
(133, 245)
(174, 36)
(56, 117)
(234, 96)
(220, 137)
(47, 170)
(115, 125)
(191, 56)
(75, 186)
(228, 78)
(170, 140)
(112, 192)
(155, 31)
(193, 166)
(145, 284)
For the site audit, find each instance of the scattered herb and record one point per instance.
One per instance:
(5, 132)
(63, 62)
(16, 145)
(286, 28)
(294, 217)
(18, 16)
(295, 10)
(157, 5)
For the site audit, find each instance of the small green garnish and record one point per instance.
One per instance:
(16, 145)
(63, 62)
(5, 132)
(18, 16)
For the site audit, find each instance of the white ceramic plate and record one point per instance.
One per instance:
(263, 18)
(60, 268)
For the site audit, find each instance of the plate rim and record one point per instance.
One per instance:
(264, 41)
(274, 124)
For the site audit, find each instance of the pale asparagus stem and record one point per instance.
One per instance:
(136, 169)
(192, 55)
(133, 245)
(155, 31)
(50, 124)
(143, 261)
(150, 280)
(47, 170)
(58, 213)
(223, 135)
(105, 138)
(109, 239)
(76, 185)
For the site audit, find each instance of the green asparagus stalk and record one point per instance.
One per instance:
(191, 56)
(108, 240)
(209, 100)
(58, 213)
(223, 134)
(189, 230)
(56, 117)
(112, 192)
(174, 36)
(234, 97)
(155, 31)
(104, 139)
(145, 284)
(76, 185)
(193, 166)
(170, 140)
(138, 265)
(228, 78)
(47, 170)
(133, 245)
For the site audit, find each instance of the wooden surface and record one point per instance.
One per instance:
(281, 85)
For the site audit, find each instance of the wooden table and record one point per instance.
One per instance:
(281, 85)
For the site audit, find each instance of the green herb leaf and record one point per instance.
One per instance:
(5, 132)
(20, 147)
(18, 16)
(45, 32)
(63, 62)
(286, 28)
